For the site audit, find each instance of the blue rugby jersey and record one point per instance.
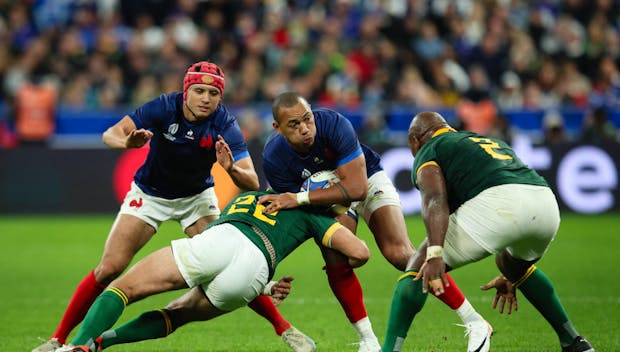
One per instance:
(335, 144)
(182, 152)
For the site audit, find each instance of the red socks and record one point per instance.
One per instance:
(348, 291)
(452, 295)
(264, 306)
(83, 297)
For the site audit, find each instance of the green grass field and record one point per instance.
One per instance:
(43, 258)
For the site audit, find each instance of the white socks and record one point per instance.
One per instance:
(364, 329)
(467, 313)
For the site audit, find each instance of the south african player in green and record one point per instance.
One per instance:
(226, 266)
(480, 199)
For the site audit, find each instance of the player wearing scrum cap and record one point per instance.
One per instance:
(188, 132)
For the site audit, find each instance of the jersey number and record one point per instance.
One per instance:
(244, 205)
(489, 147)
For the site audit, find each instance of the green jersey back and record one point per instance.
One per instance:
(276, 234)
(472, 163)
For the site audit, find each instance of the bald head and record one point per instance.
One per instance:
(286, 100)
(425, 122)
(422, 128)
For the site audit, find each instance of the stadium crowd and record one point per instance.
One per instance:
(480, 57)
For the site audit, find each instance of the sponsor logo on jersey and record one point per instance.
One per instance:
(305, 174)
(206, 142)
(136, 203)
(317, 160)
(172, 129)
(190, 135)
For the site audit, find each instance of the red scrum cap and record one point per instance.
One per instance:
(204, 72)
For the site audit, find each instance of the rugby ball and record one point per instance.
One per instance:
(324, 179)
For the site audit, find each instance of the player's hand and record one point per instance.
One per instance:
(223, 154)
(505, 294)
(138, 138)
(433, 274)
(281, 289)
(278, 202)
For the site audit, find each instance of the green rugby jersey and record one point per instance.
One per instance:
(276, 234)
(472, 163)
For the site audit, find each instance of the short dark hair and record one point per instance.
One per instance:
(286, 100)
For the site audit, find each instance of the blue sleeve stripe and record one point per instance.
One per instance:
(242, 155)
(349, 157)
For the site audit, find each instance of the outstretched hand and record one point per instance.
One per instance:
(506, 293)
(223, 154)
(138, 138)
(281, 289)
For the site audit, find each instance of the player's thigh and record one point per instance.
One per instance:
(155, 273)
(192, 306)
(199, 225)
(460, 248)
(127, 236)
(539, 219)
(195, 212)
(381, 192)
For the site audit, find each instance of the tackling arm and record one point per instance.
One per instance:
(353, 185)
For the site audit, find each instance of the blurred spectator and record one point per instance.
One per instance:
(598, 129)
(553, 128)
(510, 95)
(476, 112)
(521, 54)
(35, 111)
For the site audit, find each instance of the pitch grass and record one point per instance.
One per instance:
(43, 258)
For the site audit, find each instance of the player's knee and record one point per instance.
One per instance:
(398, 255)
(108, 270)
(512, 268)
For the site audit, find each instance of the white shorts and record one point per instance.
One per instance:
(231, 269)
(524, 223)
(381, 192)
(155, 210)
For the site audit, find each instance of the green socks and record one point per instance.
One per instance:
(149, 325)
(538, 289)
(104, 312)
(407, 301)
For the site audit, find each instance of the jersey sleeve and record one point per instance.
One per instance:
(322, 228)
(234, 137)
(342, 137)
(150, 114)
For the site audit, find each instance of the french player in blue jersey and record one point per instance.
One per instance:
(307, 141)
(188, 132)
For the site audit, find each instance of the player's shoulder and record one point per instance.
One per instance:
(223, 118)
(274, 142)
(330, 120)
(170, 101)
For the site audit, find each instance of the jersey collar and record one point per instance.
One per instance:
(442, 131)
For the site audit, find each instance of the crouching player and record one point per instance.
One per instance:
(226, 267)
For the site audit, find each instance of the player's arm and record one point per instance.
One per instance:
(242, 171)
(124, 135)
(343, 240)
(435, 213)
(353, 186)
